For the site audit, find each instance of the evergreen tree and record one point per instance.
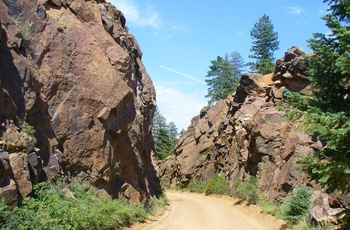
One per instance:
(173, 133)
(327, 113)
(223, 76)
(265, 42)
(165, 136)
(237, 64)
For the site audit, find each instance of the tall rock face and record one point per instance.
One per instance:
(246, 135)
(70, 69)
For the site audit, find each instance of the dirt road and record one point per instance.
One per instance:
(197, 211)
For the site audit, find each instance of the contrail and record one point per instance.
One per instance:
(183, 74)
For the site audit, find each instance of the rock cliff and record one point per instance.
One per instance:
(75, 99)
(246, 135)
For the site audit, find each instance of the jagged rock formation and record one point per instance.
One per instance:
(246, 135)
(72, 71)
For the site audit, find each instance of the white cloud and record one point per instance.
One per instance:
(241, 33)
(179, 28)
(177, 106)
(139, 15)
(294, 10)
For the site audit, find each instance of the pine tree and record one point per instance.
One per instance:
(265, 42)
(326, 114)
(173, 133)
(223, 76)
(165, 136)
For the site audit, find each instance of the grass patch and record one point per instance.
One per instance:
(270, 208)
(52, 208)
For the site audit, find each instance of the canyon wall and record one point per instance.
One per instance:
(246, 135)
(75, 99)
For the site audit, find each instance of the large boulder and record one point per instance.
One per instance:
(72, 71)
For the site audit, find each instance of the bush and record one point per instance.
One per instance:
(217, 185)
(86, 210)
(246, 190)
(196, 185)
(297, 206)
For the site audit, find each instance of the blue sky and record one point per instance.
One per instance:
(180, 38)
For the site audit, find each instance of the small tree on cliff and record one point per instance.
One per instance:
(265, 42)
(326, 114)
(223, 76)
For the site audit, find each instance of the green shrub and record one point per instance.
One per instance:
(217, 185)
(86, 210)
(4, 213)
(196, 185)
(297, 206)
(246, 190)
(28, 129)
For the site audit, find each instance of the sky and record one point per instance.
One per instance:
(179, 38)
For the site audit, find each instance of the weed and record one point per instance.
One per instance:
(196, 185)
(156, 203)
(270, 208)
(28, 129)
(116, 167)
(246, 190)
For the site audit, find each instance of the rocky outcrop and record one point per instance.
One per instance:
(246, 135)
(71, 70)
(290, 73)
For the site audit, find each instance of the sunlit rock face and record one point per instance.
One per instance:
(246, 135)
(71, 70)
